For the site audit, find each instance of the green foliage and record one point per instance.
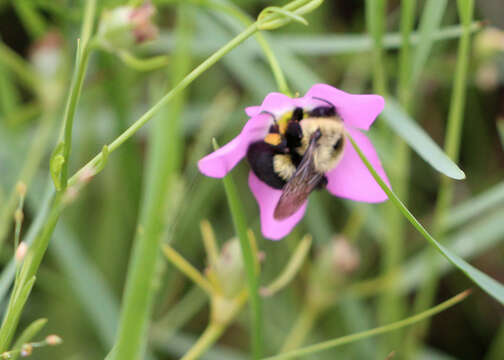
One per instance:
(103, 229)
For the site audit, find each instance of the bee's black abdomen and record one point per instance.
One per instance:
(260, 157)
(323, 111)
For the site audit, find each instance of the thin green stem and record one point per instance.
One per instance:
(163, 165)
(209, 336)
(374, 332)
(83, 52)
(193, 75)
(253, 282)
(236, 12)
(426, 293)
(30, 166)
(185, 267)
(376, 15)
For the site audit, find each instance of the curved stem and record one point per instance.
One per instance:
(209, 336)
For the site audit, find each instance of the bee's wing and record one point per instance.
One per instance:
(300, 185)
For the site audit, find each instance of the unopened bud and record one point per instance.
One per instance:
(335, 261)
(488, 42)
(21, 188)
(26, 350)
(47, 55)
(125, 26)
(345, 256)
(53, 340)
(21, 251)
(487, 76)
(230, 270)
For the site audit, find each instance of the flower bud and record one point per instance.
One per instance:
(46, 55)
(21, 188)
(125, 26)
(334, 263)
(26, 350)
(488, 42)
(487, 76)
(21, 251)
(53, 340)
(230, 270)
(48, 59)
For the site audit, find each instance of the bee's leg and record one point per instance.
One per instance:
(322, 183)
(260, 157)
(323, 111)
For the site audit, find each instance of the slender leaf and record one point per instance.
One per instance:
(431, 20)
(27, 335)
(416, 137)
(486, 283)
(475, 206)
(377, 331)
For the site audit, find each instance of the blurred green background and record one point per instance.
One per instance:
(80, 283)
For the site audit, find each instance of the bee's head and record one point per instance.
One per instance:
(327, 136)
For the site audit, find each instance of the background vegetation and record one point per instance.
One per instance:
(448, 78)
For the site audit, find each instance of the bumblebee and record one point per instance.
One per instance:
(296, 153)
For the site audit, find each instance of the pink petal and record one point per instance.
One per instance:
(252, 110)
(351, 179)
(220, 162)
(359, 111)
(267, 198)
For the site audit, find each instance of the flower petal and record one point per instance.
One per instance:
(267, 198)
(220, 162)
(359, 111)
(252, 110)
(351, 179)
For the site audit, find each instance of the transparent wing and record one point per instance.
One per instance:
(300, 185)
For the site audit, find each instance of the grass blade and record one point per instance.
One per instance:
(377, 331)
(416, 137)
(429, 25)
(486, 283)
(240, 225)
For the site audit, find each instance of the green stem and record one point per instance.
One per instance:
(373, 332)
(33, 159)
(261, 40)
(164, 162)
(427, 292)
(83, 52)
(253, 282)
(193, 75)
(209, 336)
(19, 294)
(376, 14)
(391, 306)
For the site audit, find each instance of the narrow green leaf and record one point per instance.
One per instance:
(429, 25)
(240, 225)
(486, 283)
(474, 207)
(27, 335)
(419, 141)
(376, 331)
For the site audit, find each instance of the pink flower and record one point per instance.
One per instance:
(348, 179)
